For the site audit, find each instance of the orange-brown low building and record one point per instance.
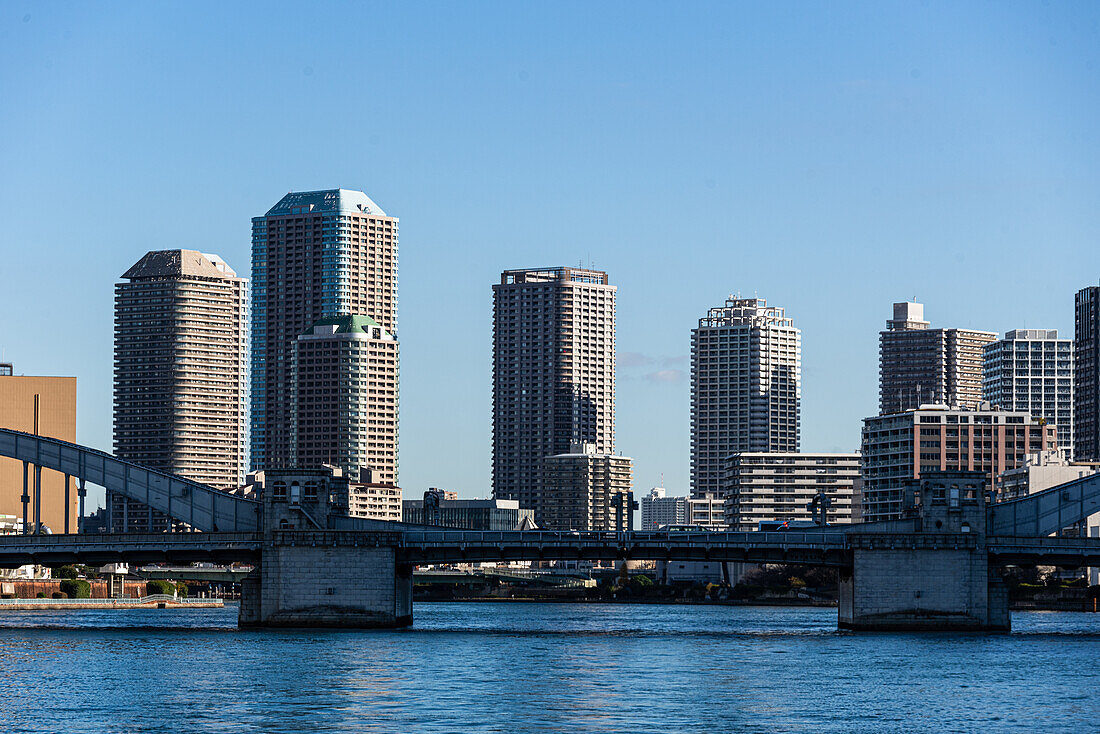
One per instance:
(56, 419)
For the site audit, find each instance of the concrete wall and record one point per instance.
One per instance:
(913, 589)
(327, 585)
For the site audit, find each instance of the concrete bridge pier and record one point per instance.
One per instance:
(312, 576)
(930, 572)
(328, 579)
(921, 588)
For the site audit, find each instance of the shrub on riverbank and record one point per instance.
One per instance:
(76, 588)
(158, 586)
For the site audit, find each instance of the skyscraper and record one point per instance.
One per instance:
(344, 399)
(315, 255)
(746, 376)
(1031, 370)
(1086, 375)
(553, 373)
(181, 354)
(920, 365)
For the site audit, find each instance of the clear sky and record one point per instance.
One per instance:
(830, 157)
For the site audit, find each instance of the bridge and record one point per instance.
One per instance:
(936, 569)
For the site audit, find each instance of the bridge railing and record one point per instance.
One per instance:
(201, 506)
(450, 536)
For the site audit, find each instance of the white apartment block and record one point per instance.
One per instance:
(659, 510)
(746, 374)
(1031, 370)
(708, 510)
(765, 487)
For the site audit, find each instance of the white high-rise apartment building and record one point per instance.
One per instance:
(746, 375)
(1031, 370)
(553, 375)
(659, 510)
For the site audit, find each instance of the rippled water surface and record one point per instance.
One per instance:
(543, 667)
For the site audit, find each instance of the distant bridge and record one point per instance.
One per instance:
(933, 571)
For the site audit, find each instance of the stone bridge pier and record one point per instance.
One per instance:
(312, 576)
(930, 572)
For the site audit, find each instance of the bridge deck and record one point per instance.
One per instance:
(439, 545)
(97, 549)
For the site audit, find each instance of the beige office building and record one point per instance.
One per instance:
(764, 487)
(56, 419)
(585, 490)
(181, 355)
(344, 399)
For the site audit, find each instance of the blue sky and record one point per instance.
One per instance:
(830, 157)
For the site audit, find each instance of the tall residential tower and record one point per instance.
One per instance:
(553, 374)
(1031, 370)
(919, 365)
(315, 255)
(181, 353)
(1086, 375)
(746, 376)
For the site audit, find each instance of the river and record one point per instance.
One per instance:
(519, 667)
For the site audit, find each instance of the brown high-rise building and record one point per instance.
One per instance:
(344, 399)
(181, 352)
(919, 365)
(315, 255)
(553, 374)
(56, 419)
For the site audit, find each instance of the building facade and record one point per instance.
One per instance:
(659, 510)
(585, 490)
(898, 447)
(315, 255)
(919, 365)
(344, 398)
(765, 487)
(180, 384)
(1031, 370)
(481, 514)
(746, 376)
(1040, 471)
(553, 375)
(1086, 375)
(708, 510)
(327, 490)
(46, 406)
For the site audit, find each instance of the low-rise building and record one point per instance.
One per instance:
(586, 490)
(707, 510)
(47, 406)
(475, 514)
(767, 487)
(1041, 470)
(659, 510)
(329, 486)
(898, 447)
